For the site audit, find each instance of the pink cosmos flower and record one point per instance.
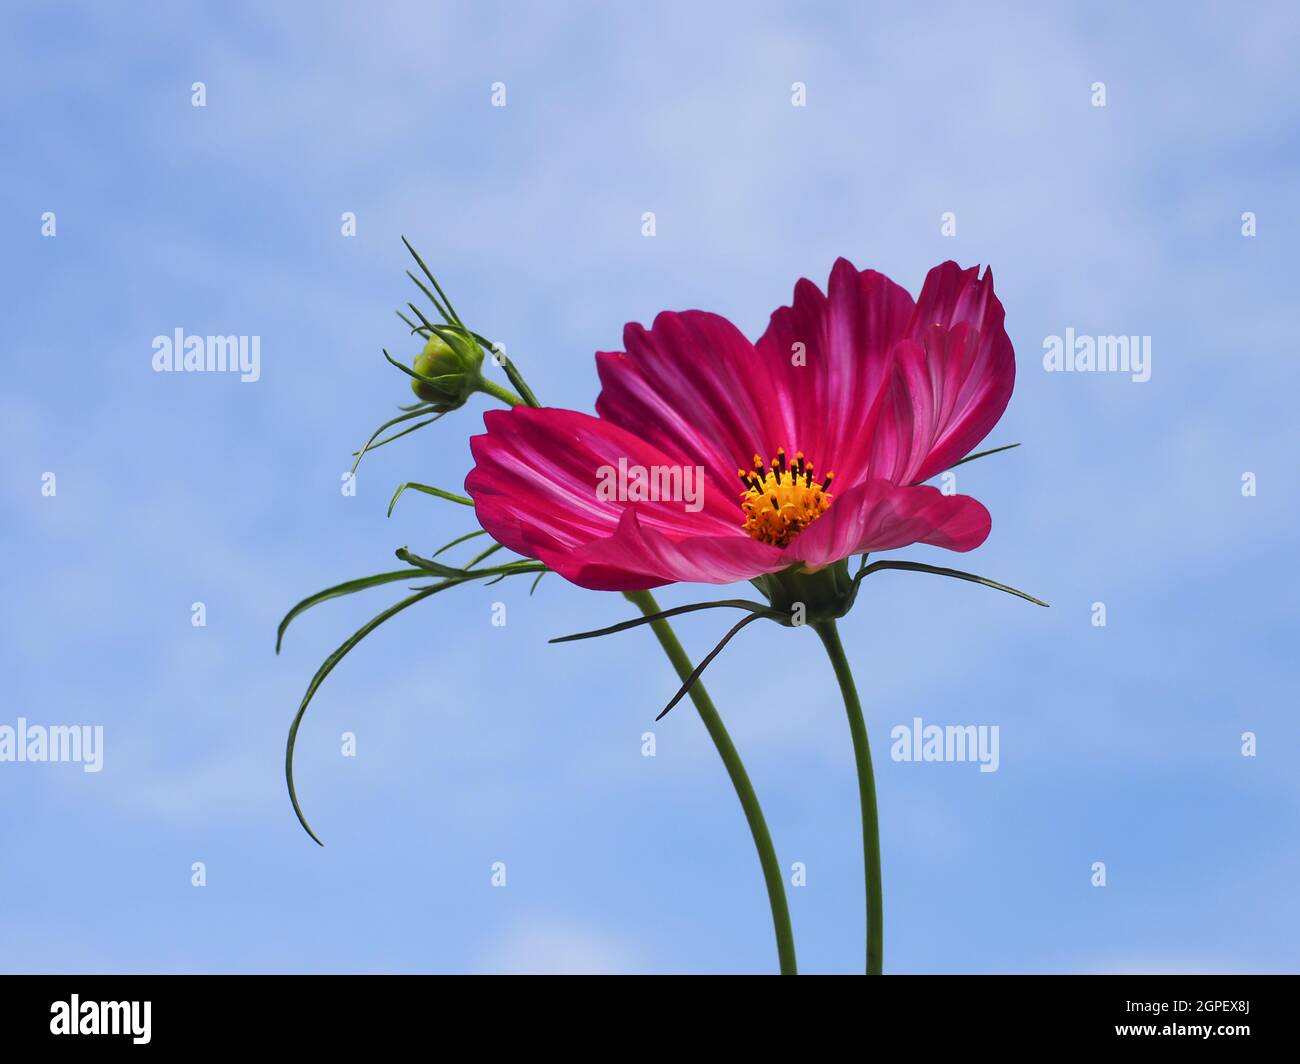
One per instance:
(876, 390)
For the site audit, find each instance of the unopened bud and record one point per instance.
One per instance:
(449, 370)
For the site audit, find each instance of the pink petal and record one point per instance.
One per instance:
(958, 368)
(534, 486)
(878, 515)
(693, 387)
(638, 556)
(847, 336)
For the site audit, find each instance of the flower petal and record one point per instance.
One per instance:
(959, 368)
(692, 386)
(538, 479)
(638, 556)
(847, 336)
(535, 489)
(878, 515)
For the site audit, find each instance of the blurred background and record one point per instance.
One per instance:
(479, 744)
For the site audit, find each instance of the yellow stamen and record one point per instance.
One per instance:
(782, 500)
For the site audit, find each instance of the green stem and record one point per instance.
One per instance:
(498, 392)
(830, 638)
(645, 602)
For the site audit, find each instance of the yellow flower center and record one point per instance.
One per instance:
(782, 498)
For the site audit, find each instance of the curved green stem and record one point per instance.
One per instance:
(645, 602)
(830, 638)
(498, 392)
(681, 662)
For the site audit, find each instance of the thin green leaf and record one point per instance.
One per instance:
(699, 669)
(508, 569)
(445, 378)
(957, 574)
(482, 554)
(423, 320)
(520, 385)
(458, 540)
(418, 411)
(433, 280)
(623, 626)
(985, 454)
(416, 330)
(537, 581)
(430, 297)
(347, 588)
(429, 490)
(326, 668)
(406, 432)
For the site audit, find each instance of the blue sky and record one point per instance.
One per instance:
(479, 744)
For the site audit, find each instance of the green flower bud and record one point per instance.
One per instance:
(450, 365)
